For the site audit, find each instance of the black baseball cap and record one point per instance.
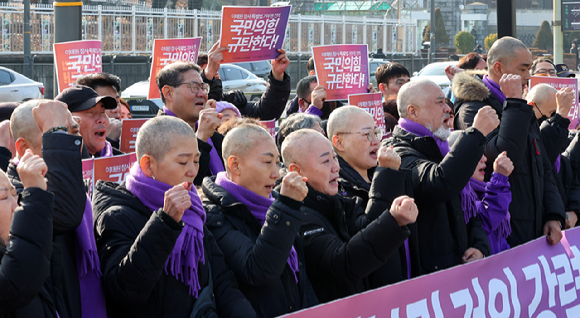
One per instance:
(79, 98)
(563, 71)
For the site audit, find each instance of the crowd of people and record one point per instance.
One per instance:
(217, 218)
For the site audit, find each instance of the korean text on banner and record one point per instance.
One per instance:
(532, 280)
(75, 59)
(88, 171)
(270, 126)
(253, 33)
(129, 134)
(167, 51)
(559, 83)
(372, 103)
(114, 169)
(342, 69)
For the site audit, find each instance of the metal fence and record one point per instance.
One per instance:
(131, 30)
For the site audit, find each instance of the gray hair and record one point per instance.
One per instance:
(539, 93)
(408, 95)
(156, 137)
(172, 75)
(341, 118)
(296, 122)
(241, 139)
(303, 86)
(22, 123)
(503, 50)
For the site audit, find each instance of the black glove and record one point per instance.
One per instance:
(235, 97)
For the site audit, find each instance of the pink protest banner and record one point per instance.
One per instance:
(253, 33)
(372, 103)
(115, 168)
(342, 69)
(532, 280)
(88, 171)
(558, 83)
(270, 126)
(129, 134)
(75, 59)
(167, 51)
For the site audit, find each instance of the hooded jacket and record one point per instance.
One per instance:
(535, 195)
(437, 182)
(258, 254)
(134, 244)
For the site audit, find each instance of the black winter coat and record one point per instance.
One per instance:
(437, 182)
(258, 254)
(62, 155)
(25, 263)
(343, 245)
(271, 104)
(351, 182)
(535, 195)
(134, 244)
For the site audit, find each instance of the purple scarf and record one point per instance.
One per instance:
(494, 88)
(421, 131)
(215, 163)
(107, 151)
(504, 229)
(188, 249)
(88, 267)
(258, 205)
(558, 163)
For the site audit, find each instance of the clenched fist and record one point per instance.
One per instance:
(32, 170)
(279, 65)
(294, 186)
(565, 99)
(404, 210)
(511, 86)
(209, 121)
(52, 114)
(503, 165)
(389, 158)
(486, 120)
(318, 96)
(177, 200)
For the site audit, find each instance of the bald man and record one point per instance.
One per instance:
(339, 255)
(536, 208)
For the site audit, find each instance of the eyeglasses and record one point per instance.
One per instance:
(195, 87)
(400, 82)
(545, 71)
(371, 133)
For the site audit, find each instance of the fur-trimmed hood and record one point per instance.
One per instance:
(468, 86)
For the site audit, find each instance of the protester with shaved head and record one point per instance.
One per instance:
(536, 208)
(256, 227)
(157, 257)
(339, 254)
(439, 174)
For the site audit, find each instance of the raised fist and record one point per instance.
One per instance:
(503, 165)
(294, 186)
(177, 200)
(404, 210)
(389, 158)
(511, 86)
(486, 120)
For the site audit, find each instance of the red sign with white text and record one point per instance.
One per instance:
(129, 134)
(167, 51)
(75, 59)
(372, 103)
(114, 169)
(559, 83)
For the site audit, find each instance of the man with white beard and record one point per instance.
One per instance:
(439, 174)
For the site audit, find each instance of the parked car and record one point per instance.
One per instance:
(373, 65)
(15, 87)
(436, 73)
(235, 77)
(260, 69)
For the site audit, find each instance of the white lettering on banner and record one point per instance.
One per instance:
(170, 57)
(255, 32)
(120, 177)
(84, 63)
(343, 69)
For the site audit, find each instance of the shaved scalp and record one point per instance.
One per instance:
(158, 135)
(240, 140)
(295, 148)
(539, 93)
(22, 123)
(504, 50)
(408, 95)
(342, 118)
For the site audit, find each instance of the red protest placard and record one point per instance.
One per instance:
(270, 126)
(342, 69)
(129, 134)
(558, 83)
(167, 51)
(114, 169)
(253, 33)
(372, 103)
(75, 59)
(88, 171)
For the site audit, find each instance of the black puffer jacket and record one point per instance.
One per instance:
(134, 244)
(25, 263)
(62, 155)
(343, 245)
(437, 182)
(271, 104)
(351, 182)
(258, 254)
(535, 195)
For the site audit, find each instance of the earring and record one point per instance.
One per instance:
(153, 177)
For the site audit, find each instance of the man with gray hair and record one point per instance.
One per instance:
(439, 174)
(536, 208)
